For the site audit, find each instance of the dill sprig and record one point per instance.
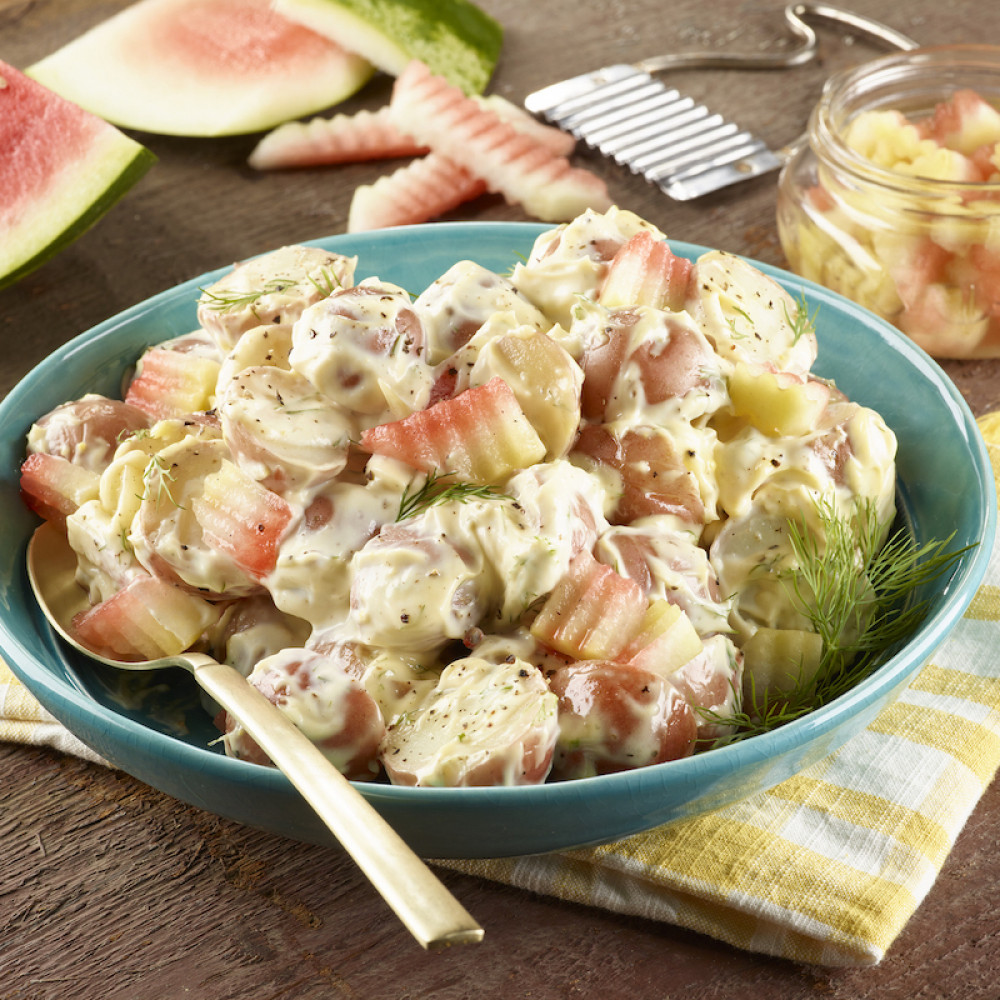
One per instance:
(326, 281)
(802, 323)
(224, 301)
(859, 596)
(435, 490)
(157, 471)
(734, 332)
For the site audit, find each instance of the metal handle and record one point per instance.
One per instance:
(795, 15)
(434, 917)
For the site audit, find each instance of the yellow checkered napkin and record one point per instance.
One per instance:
(23, 720)
(825, 868)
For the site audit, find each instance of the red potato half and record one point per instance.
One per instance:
(328, 705)
(615, 717)
(484, 724)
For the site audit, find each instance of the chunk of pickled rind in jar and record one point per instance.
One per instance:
(885, 137)
(415, 588)
(331, 708)
(615, 717)
(282, 431)
(748, 316)
(484, 724)
(274, 288)
(945, 322)
(458, 303)
(572, 260)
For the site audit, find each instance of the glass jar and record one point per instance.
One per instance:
(900, 236)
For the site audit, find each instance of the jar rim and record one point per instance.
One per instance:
(852, 90)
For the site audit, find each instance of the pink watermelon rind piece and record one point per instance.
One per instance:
(52, 195)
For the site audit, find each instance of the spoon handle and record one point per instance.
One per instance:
(426, 907)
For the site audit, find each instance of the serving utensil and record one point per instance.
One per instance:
(623, 112)
(425, 906)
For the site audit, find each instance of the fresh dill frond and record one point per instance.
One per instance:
(802, 323)
(731, 323)
(138, 434)
(224, 301)
(326, 282)
(521, 258)
(127, 545)
(158, 470)
(435, 490)
(859, 597)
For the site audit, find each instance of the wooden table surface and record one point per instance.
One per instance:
(112, 890)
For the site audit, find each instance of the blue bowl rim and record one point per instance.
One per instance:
(64, 700)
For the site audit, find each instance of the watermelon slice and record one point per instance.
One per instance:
(202, 68)
(454, 38)
(60, 171)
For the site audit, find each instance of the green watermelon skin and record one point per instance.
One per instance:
(202, 68)
(454, 38)
(61, 170)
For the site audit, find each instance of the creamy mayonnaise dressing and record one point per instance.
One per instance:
(399, 635)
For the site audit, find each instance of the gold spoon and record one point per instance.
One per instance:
(429, 911)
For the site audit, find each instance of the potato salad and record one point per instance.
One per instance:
(505, 529)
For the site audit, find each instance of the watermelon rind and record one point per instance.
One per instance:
(455, 38)
(89, 183)
(148, 68)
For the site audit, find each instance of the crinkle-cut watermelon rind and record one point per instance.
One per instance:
(454, 38)
(85, 192)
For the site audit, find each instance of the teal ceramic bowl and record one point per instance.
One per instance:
(159, 734)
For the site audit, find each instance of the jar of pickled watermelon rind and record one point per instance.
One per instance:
(892, 198)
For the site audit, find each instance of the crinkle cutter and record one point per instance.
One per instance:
(625, 113)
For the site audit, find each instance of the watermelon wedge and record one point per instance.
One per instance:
(61, 169)
(454, 38)
(202, 68)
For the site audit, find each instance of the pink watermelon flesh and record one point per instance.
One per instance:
(228, 40)
(201, 68)
(61, 169)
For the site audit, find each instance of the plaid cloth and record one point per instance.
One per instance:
(825, 868)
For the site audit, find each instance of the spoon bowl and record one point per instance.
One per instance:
(429, 911)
